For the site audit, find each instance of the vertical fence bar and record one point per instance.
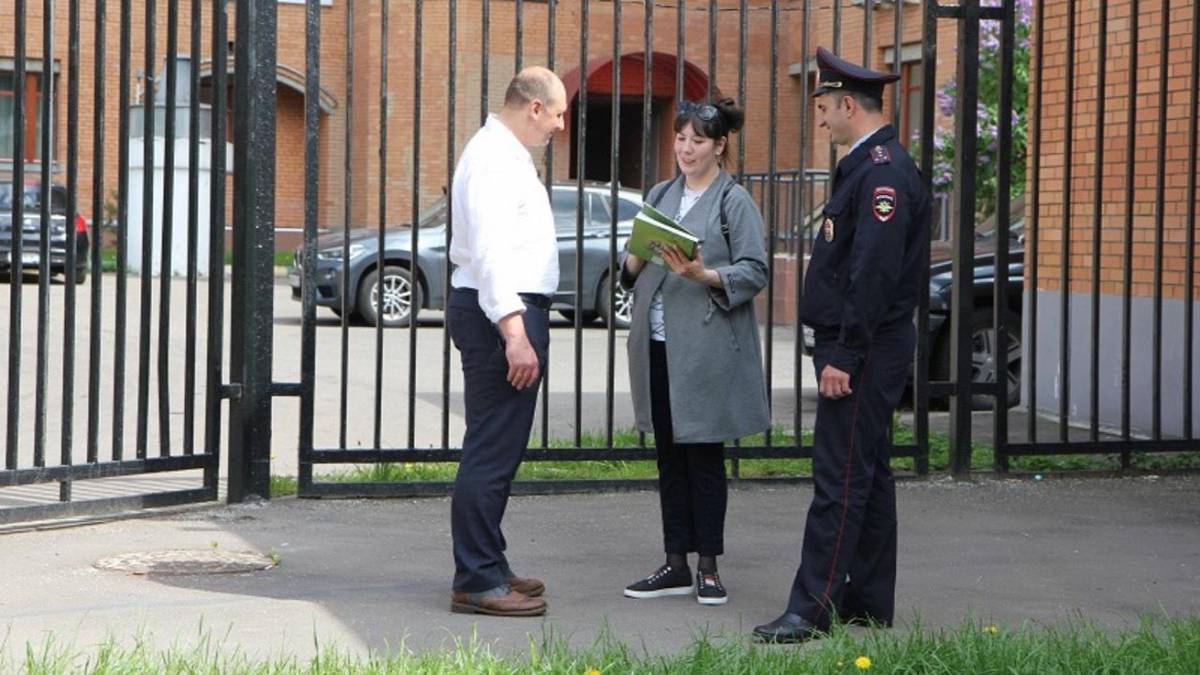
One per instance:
(773, 210)
(837, 49)
(647, 93)
(1097, 216)
(484, 53)
(1189, 274)
(451, 120)
(380, 263)
(868, 30)
(69, 266)
(13, 428)
(1064, 309)
(146, 281)
(45, 104)
(119, 332)
(801, 235)
(680, 55)
(193, 235)
(712, 52)
(415, 283)
(308, 293)
(1031, 260)
(1159, 222)
(520, 48)
(251, 346)
(347, 216)
(962, 304)
(921, 374)
(614, 202)
(98, 218)
(551, 6)
(166, 270)
(743, 42)
(897, 68)
(1000, 289)
(216, 246)
(581, 197)
(1127, 253)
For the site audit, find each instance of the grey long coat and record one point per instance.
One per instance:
(714, 359)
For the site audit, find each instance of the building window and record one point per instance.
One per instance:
(32, 150)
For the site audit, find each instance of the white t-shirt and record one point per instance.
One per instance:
(658, 325)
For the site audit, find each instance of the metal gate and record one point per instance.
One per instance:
(113, 402)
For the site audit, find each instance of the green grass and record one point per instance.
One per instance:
(939, 461)
(1155, 646)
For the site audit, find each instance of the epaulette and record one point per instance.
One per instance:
(880, 155)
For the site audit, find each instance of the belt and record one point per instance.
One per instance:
(538, 300)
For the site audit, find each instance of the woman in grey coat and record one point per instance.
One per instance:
(695, 363)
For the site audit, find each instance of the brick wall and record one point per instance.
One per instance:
(1145, 180)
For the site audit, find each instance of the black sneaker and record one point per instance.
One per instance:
(665, 581)
(709, 590)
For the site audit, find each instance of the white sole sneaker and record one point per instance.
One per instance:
(661, 593)
(712, 601)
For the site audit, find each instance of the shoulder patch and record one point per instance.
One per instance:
(883, 203)
(880, 155)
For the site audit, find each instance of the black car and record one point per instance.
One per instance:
(32, 228)
(986, 364)
(401, 293)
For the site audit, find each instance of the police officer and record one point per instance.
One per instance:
(860, 290)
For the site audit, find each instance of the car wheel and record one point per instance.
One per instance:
(400, 297)
(986, 365)
(623, 307)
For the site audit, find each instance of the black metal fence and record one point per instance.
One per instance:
(100, 465)
(1025, 308)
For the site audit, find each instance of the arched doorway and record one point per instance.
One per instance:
(631, 101)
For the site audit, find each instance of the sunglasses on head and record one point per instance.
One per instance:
(705, 112)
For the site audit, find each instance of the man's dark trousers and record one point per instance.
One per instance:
(851, 527)
(498, 421)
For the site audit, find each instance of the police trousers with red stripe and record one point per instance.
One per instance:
(848, 558)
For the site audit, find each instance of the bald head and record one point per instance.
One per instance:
(534, 83)
(534, 106)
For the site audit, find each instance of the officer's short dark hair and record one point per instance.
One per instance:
(865, 101)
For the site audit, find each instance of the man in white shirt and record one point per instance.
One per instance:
(506, 256)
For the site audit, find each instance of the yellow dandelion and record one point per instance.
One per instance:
(593, 671)
(991, 629)
(862, 662)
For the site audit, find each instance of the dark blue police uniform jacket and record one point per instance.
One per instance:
(865, 266)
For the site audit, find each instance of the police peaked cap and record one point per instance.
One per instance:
(839, 75)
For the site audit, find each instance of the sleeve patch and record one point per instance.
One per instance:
(883, 203)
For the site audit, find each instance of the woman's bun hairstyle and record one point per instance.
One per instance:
(733, 113)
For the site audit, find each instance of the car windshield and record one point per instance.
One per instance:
(433, 215)
(33, 199)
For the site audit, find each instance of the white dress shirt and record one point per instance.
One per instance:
(503, 240)
(863, 140)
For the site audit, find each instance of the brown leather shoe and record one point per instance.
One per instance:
(513, 604)
(527, 586)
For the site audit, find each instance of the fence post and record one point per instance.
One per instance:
(253, 250)
(962, 297)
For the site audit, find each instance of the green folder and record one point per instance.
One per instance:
(652, 229)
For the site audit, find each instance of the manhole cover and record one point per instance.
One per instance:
(186, 562)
